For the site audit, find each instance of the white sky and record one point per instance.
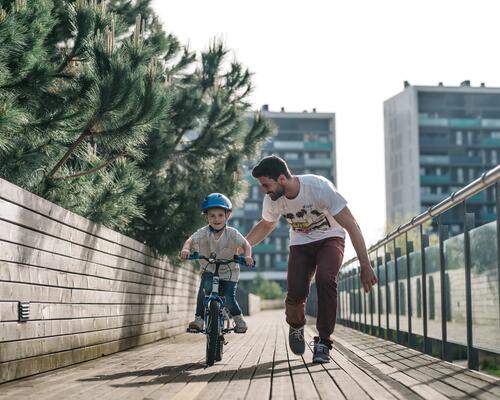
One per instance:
(347, 57)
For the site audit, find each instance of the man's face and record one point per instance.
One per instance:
(217, 217)
(273, 188)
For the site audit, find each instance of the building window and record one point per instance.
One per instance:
(267, 259)
(291, 156)
(460, 175)
(251, 206)
(459, 138)
(277, 242)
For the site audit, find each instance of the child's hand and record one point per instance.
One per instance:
(184, 254)
(249, 261)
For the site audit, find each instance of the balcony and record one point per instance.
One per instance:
(434, 160)
(327, 146)
(491, 142)
(435, 179)
(432, 198)
(318, 162)
(264, 248)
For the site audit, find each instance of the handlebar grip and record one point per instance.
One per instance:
(241, 260)
(194, 256)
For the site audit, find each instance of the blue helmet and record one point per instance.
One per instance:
(216, 200)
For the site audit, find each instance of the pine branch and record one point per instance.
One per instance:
(87, 132)
(95, 169)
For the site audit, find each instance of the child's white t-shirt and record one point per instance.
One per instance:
(224, 247)
(311, 213)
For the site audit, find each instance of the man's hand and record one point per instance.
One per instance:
(249, 261)
(367, 278)
(184, 254)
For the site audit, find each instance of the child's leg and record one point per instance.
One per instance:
(229, 292)
(204, 289)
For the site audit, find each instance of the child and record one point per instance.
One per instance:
(222, 240)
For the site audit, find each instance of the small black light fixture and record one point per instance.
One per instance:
(24, 311)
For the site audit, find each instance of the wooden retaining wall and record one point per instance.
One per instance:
(92, 291)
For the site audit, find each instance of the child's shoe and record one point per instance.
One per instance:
(240, 326)
(197, 324)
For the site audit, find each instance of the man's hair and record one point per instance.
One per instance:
(271, 167)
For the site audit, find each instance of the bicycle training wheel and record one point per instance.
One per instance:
(213, 341)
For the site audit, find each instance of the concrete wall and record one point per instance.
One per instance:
(91, 290)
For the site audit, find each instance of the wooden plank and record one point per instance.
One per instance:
(71, 234)
(260, 383)
(302, 382)
(11, 272)
(54, 294)
(30, 201)
(199, 375)
(216, 386)
(31, 239)
(282, 387)
(14, 331)
(240, 383)
(35, 365)
(64, 311)
(427, 376)
(10, 351)
(19, 254)
(323, 381)
(62, 383)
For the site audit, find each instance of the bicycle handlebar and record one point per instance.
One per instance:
(221, 261)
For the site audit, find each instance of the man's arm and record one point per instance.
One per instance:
(260, 231)
(346, 219)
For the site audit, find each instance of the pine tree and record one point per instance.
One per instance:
(106, 114)
(92, 110)
(211, 104)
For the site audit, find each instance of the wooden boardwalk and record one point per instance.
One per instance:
(259, 365)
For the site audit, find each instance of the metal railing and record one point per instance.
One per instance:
(359, 310)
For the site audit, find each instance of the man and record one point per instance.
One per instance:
(318, 218)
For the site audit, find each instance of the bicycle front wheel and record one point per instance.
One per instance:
(213, 342)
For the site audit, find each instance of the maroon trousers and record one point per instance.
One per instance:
(325, 258)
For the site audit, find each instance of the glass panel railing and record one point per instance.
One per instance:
(485, 290)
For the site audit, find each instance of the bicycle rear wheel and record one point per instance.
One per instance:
(213, 342)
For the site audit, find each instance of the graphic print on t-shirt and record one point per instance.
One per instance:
(305, 222)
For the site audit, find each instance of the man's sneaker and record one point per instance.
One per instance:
(321, 353)
(197, 324)
(240, 326)
(296, 340)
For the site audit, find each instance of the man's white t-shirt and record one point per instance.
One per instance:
(311, 213)
(224, 247)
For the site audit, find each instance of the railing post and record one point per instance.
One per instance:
(387, 257)
(424, 242)
(357, 277)
(409, 250)
(372, 302)
(349, 298)
(445, 347)
(365, 327)
(472, 354)
(339, 294)
(379, 301)
(397, 254)
(497, 195)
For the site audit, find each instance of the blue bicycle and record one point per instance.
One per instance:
(216, 316)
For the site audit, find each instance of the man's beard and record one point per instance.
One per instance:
(276, 195)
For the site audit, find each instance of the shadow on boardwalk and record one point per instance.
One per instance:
(259, 365)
